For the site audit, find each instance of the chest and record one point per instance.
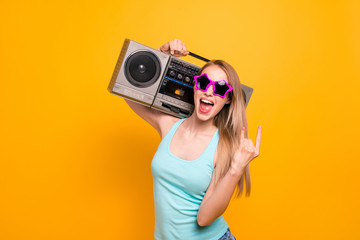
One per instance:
(189, 148)
(179, 176)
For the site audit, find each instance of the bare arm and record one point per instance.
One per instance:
(217, 198)
(150, 115)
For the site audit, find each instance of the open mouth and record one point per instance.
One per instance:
(205, 105)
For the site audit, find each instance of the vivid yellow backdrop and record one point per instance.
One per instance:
(75, 160)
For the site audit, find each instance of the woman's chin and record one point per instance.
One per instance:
(203, 116)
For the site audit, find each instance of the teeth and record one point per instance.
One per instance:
(206, 101)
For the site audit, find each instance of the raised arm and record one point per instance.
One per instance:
(150, 115)
(218, 196)
(159, 120)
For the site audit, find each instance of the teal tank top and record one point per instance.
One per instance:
(179, 188)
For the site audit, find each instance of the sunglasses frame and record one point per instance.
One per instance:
(213, 84)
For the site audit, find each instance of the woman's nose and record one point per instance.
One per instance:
(210, 90)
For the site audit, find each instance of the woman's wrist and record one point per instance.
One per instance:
(236, 172)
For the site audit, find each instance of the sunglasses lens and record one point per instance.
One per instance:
(221, 88)
(202, 82)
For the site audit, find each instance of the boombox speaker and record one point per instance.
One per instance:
(157, 80)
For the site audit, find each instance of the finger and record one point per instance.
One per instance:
(177, 48)
(175, 44)
(251, 149)
(178, 53)
(181, 48)
(172, 47)
(242, 134)
(164, 47)
(258, 140)
(251, 143)
(184, 49)
(179, 45)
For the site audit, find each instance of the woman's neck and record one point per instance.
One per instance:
(195, 126)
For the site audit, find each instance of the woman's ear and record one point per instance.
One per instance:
(228, 101)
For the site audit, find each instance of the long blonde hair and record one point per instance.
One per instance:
(230, 121)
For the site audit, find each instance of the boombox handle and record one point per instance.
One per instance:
(198, 57)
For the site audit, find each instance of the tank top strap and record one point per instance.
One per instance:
(172, 130)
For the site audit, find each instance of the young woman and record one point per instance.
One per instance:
(201, 159)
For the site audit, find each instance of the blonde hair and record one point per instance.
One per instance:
(230, 121)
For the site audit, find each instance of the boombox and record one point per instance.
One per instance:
(157, 80)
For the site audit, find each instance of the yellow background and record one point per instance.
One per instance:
(75, 160)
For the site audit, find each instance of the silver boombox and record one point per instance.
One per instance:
(157, 80)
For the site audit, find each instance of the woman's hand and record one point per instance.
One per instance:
(175, 47)
(246, 151)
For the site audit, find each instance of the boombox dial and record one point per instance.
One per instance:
(180, 76)
(182, 71)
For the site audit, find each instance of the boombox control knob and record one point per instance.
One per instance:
(172, 73)
(179, 76)
(187, 79)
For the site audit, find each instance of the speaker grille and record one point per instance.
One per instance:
(142, 69)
